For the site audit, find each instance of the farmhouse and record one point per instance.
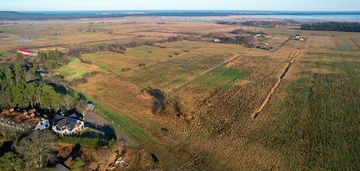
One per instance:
(26, 52)
(67, 125)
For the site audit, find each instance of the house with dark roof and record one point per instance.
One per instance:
(67, 125)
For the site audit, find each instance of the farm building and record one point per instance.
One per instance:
(90, 107)
(26, 52)
(259, 35)
(264, 46)
(42, 125)
(298, 37)
(217, 40)
(67, 125)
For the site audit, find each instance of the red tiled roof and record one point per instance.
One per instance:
(25, 51)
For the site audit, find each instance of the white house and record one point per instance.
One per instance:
(67, 125)
(42, 125)
(217, 40)
(298, 37)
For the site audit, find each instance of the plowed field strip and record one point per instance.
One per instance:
(276, 85)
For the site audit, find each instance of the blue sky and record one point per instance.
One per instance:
(290, 5)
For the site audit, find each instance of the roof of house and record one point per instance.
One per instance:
(90, 106)
(68, 121)
(25, 50)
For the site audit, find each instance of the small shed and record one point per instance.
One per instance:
(90, 107)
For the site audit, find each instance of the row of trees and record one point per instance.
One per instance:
(332, 26)
(120, 47)
(115, 47)
(20, 88)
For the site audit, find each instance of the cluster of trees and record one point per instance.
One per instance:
(332, 26)
(28, 149)
(241, 31)
(49, 59)
(11, 162)
(120, 47)
(20, 88)
(248, 41)
(268, 24)
(164, 104)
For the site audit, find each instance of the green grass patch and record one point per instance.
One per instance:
(120, 122)
(221, 77)
(332, 55)
(76, 70)
(4, 54)
(87, 142)
(344, 47)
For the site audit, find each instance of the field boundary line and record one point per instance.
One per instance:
(276, 85)
(188, 82)
(355, 42)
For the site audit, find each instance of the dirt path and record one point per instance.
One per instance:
(276, 85)
(204, 72)
(354, 41)
(283, 44)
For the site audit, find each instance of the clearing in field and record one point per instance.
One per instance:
(75, 69)
(221, 77)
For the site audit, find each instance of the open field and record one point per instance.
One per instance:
(173, 64)
(312, 124)
(311, 121)
(69, 32)
(75, 69)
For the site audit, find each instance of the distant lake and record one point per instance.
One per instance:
(193, 14)
(310, 17)
(24, 40)
(355, 18)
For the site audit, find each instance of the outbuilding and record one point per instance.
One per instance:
(42, 125)
(90, 107)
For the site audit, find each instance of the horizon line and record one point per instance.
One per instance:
(188, 10)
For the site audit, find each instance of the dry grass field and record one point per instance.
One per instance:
(310, 123)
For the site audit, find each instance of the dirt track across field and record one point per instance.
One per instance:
(276, 85)
(357, 45)
(205, 72)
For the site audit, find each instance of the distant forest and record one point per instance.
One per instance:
(332, 26)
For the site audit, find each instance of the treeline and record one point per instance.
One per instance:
(115, 47)
(120, 47)
(49, 59)
(20, 88)
(332, 26)
(266, 24)
(248, 41)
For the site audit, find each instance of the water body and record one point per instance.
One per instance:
(24, 40)
(315, 17)
(294, 15)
